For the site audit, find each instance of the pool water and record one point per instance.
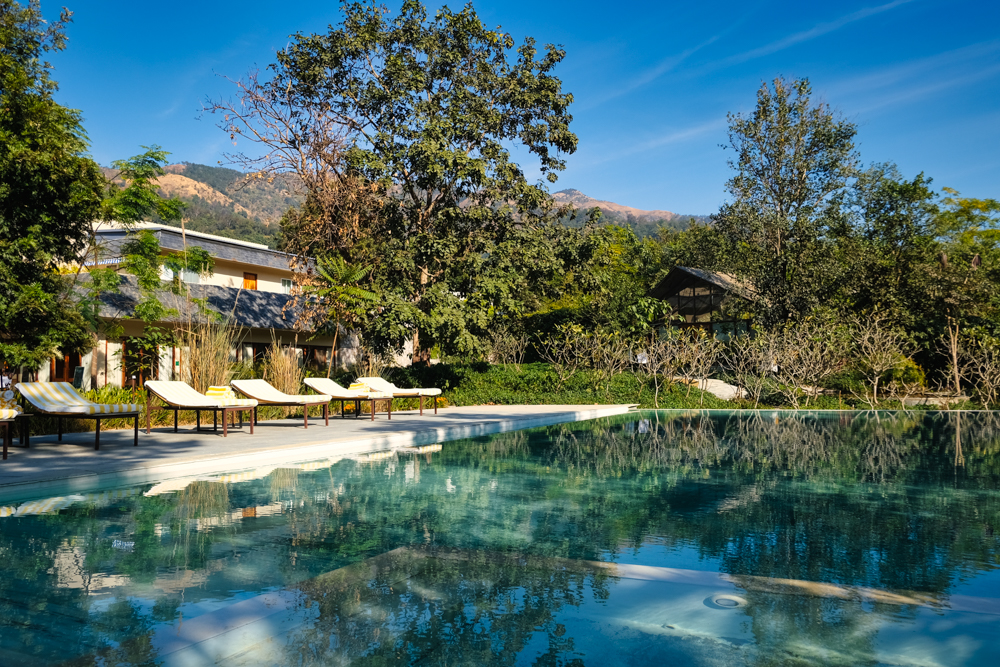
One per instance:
(705, 538)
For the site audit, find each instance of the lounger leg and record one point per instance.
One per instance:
(25, 434)
(225, 423)
(326, 414)
(135, 434)
(215, 420)
(255, 413)
(421, 405)
(251, 422)
(97, 436)
(175, 419)
(147, 411)
(197, 420)
(6, 434)
(373, 401)
(305, 415)
(390, 409)
(357, 408)
(59, 422)
(342, 415)
(435, 405)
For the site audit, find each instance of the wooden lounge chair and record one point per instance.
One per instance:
(381, 384)
(9, 410)
(182, 396)
(338, 393)
(61, 400)
(262, 392)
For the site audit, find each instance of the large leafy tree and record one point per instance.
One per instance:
(51, 194)
(793, 161)
(425, 108)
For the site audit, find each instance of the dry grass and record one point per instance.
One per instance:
(209, 353)
(282, 369)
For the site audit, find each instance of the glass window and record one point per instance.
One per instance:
(286, 285)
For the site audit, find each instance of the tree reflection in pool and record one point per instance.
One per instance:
(845, 538)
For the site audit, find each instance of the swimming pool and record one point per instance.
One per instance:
(650, 538)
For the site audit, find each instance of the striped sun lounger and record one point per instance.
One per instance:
(381, 384)
(338, 393)
(61, 400)
(181, 396)
(262, 392)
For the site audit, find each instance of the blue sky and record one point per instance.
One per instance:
(652, 82)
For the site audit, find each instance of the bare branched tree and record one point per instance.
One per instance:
(303, 145)
(878, 349)
(980, 365)
(698, 353)
(750, 359)
(658, 360)
(808, 353)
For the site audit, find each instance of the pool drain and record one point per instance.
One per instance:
(726, 601)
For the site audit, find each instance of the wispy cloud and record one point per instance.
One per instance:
(651, 74)
(674, 137)
(918, 79)
(804, 36)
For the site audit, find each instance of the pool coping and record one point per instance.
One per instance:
(133, 473)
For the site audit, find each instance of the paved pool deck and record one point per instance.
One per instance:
(72, 465)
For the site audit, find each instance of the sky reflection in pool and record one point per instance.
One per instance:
(852, 538)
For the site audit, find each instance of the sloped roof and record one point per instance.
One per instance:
(220, 247)
(249, 308)
(681, 277)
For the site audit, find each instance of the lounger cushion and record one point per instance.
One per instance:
(381, 384)
(178, 394)
(338, 393)
(59, 398)
(6, 414)
(264, 393)
(226, 397)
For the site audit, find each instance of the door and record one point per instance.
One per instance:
(249, 281)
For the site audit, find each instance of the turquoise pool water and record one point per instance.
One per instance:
(652, 538)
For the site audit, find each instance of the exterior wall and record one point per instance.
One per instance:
(230, 274)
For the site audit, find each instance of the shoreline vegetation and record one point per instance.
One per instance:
(481, 383)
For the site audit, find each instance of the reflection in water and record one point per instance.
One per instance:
(902, 504)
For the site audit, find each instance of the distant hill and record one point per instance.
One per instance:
(643, 223)
(220, 201)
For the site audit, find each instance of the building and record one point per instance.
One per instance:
(250, 283)
(698, 296)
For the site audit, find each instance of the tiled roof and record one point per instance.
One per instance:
(249, 308)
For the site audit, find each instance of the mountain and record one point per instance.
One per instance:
(643, 223)
(223, 201)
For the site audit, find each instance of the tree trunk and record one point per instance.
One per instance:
(420, 356)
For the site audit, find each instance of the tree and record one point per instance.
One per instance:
(51, 194)
(338, 301)
(425, 109)
(793, 162)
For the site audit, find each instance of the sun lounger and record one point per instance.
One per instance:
(9, 411)
(182, 396)
(262, 392)
(381, 384)
(59, 399)
(338, 393)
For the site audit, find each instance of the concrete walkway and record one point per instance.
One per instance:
(72, 465)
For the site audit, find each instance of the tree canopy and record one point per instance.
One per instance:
(51, 194)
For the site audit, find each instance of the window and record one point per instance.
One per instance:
(250, 281)
(191, 277)
(61, 368)
(286, 285)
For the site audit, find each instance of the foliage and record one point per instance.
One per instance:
(337, 302)
(423, 109)
(793, 161)
(52, 194)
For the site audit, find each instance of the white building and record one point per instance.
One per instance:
(250, 281)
